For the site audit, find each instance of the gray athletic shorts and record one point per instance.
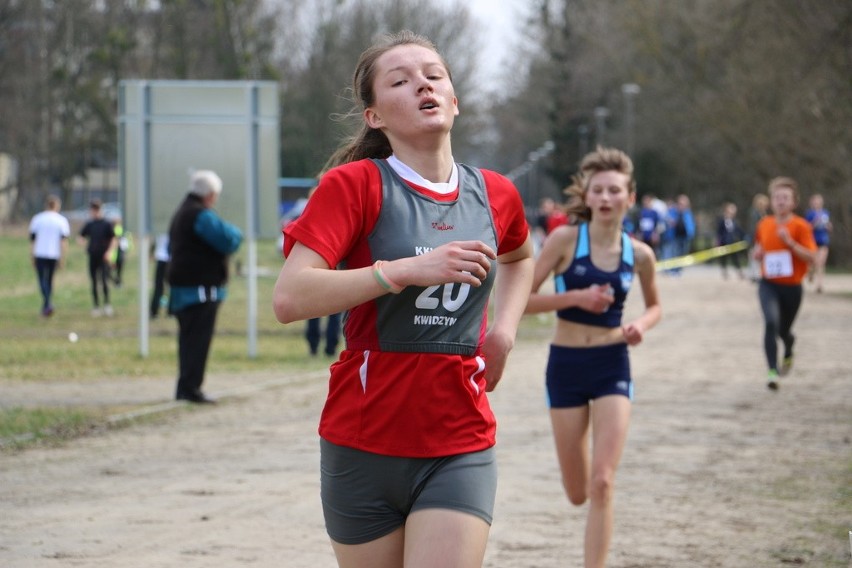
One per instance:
(366, 496)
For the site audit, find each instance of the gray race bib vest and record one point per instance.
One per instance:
(437, 319)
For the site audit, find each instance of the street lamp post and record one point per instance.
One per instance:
(583, 132)
(630, 91)
(601, 114)
(529, 168)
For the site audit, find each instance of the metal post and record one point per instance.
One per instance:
(251, 214)
(583, 133)
(601, 114)
(143, 210)
(630, 91)
(534, 159)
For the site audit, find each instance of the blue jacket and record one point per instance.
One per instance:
(199, 242)
(672, 220)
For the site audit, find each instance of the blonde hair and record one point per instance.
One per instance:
(760, 200)
(788, 182)
(601, 160)
(371, 142)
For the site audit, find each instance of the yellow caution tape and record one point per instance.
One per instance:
(700, 256)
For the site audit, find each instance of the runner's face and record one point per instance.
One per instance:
(413, 93)
(782, 200)
(608, 195)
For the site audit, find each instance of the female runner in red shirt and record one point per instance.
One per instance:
(408, 243)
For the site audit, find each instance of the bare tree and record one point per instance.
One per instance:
(733, 92)
(62, 62)
(751, 90)
(316, 92)
(212, 39)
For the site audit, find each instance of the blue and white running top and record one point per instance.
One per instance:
(582, 273)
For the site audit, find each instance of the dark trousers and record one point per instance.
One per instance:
(119, 266)
(159, 287)
(332, 334)
(779, 304)
(99, 271)
(733, 258)
(195, 333)
(45, 268)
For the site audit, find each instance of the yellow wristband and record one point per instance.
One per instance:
(383, 280)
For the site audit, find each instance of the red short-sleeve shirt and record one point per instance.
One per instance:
(403, 404)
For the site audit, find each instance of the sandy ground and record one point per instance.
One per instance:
(718, 471)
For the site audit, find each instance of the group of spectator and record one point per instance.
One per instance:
(670, 228)
(106, 245)
(192, 258)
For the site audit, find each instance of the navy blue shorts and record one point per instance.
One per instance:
(366, 496)
(577, 375)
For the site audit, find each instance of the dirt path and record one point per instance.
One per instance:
(718, 471)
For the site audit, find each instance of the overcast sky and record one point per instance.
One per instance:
(499, 19)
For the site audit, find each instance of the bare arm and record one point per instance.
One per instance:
(514, 277)
(634, 331)
(307, 287)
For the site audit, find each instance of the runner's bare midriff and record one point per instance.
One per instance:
(571, 334)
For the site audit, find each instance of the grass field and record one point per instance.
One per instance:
(34, 348)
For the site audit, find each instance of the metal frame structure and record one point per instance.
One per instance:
(169, 128)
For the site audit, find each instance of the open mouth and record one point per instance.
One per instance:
(428, 105)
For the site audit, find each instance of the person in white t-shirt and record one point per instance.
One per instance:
(49, 233)
(161, 255)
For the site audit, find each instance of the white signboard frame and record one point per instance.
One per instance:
(166, 130)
